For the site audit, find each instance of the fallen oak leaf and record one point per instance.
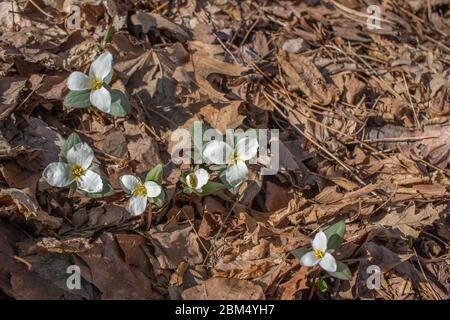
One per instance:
(408, 219)
(205, 64)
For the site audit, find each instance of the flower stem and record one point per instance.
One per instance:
(313, 287)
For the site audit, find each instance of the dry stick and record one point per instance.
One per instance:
(40, 9)
(318, 145)
(161, 6)
(25, 262)
(324, 149)
(401, 139)
(219, 232)
(249, 31)
(444, 171)
(416, 119)
(440, 44)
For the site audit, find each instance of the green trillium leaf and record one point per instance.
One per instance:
(120, 106)
(335, 235)
(342, 272)
(78, 99)
(72, 140)
(155, 174)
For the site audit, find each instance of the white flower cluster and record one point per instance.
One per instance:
(76, 172)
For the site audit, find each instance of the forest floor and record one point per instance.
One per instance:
(361, 104)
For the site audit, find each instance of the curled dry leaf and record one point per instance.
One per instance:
(17, 205)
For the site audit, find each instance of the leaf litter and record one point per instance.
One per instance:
(364, 136)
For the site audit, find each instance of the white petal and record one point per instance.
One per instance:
(58, 174)
(137, 205)
(217, 152)
(129, 183)
(202, 177)
(309, 259)
(101, 99)
(90, 182)
(102, 66)
(153, 189)
(247, 148)
(328, 263)
(80, 154)
(78, 81)
(320, 242)
(236, 173)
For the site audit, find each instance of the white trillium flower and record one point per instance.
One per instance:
(197, 179)
(140, 193)
(79, 159)
(100, 69)
(319, 255)
(219, 152)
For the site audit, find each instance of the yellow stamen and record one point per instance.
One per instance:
(77, 171)
(192, 180)
(140, 191)
(319, 254)
(234, 157)
(96, 84)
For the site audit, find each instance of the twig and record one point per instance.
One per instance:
(41, 10)
(416, 119)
